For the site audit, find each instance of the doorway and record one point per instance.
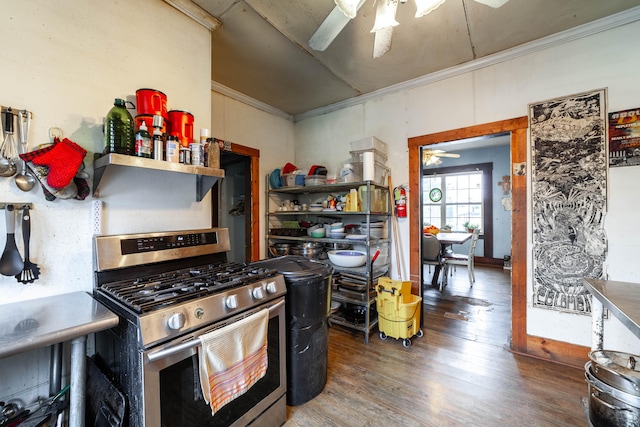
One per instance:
(237, 200)
(518, 142)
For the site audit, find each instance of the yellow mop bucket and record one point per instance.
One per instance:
(398, 310)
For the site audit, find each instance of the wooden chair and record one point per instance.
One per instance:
(431, 252)
(453, 259)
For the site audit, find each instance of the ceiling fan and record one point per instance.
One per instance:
(432, 157)
(345, 10)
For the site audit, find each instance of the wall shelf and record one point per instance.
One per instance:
(205, 177)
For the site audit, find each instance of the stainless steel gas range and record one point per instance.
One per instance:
(168, 289)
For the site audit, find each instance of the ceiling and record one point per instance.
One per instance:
(261, 49)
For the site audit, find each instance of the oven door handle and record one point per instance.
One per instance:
(161, 354)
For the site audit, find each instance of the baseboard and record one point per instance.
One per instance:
(492, 262)
(555, 351)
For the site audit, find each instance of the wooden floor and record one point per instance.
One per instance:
(460, 373)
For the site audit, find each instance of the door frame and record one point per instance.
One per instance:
(517, 128)
(252, 203)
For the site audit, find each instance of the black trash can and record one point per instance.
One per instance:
(308, 303)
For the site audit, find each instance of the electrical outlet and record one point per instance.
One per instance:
(96, 216)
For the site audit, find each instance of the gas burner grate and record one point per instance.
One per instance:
(157, 291)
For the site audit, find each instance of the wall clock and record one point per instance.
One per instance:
(435, 195)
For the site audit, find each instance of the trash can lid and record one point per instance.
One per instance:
(297, 267)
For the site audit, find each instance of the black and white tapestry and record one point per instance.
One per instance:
(569, 175)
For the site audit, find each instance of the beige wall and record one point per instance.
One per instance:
(252, 127)
(66, 62)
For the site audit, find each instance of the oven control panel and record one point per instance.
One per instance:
(133, 250)
(160, 243)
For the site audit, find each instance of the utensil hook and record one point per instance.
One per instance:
(55, 133)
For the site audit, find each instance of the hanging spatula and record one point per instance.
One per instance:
(10, 262)
(30, 271)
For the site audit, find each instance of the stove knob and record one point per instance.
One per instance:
(271, 288)
(257, 293)
(231, 302)
(176, 321)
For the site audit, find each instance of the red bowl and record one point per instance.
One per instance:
(288, 168)
(317, 170)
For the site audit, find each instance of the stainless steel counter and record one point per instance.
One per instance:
(28, 325)
(32, 324)
(622, 299)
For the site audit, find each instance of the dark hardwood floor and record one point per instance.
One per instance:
(460, 373)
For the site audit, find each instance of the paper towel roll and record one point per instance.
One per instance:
(368, 166)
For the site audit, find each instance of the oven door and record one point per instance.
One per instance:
(172, 392)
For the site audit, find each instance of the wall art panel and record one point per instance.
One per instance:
(569, 177)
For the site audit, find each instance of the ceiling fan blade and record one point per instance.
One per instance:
(385, 15)
(333, 24)
(383, 26)
(453, 155)
(492, 3)
(424, 7)
(382, 42)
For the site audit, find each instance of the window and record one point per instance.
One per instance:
(453, 199)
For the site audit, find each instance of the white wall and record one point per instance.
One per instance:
(494, 93)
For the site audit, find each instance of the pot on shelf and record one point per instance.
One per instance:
(337, 246)
(280, 249)
(617, 369)
(308, 250)
(609, 406)
(356, 313)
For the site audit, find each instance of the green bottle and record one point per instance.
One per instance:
(119, 130)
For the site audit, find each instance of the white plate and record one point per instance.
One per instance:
(355, 237)
(315, 209)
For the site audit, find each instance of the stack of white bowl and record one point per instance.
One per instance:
(375, 229)
(336, 231)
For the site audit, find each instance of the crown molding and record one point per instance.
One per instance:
(245, 99)
(196, 13)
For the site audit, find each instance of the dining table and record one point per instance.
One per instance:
(446, 240)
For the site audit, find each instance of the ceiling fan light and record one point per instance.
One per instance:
(427, 6)
(385, 15)
(492, 3)
(348, 7)
(429, 160)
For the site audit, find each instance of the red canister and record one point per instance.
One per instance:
(181, 124)
(150, 102)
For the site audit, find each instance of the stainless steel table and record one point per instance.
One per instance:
(622, 299)
(36, 323)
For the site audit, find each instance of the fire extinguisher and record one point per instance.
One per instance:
(400, 199)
